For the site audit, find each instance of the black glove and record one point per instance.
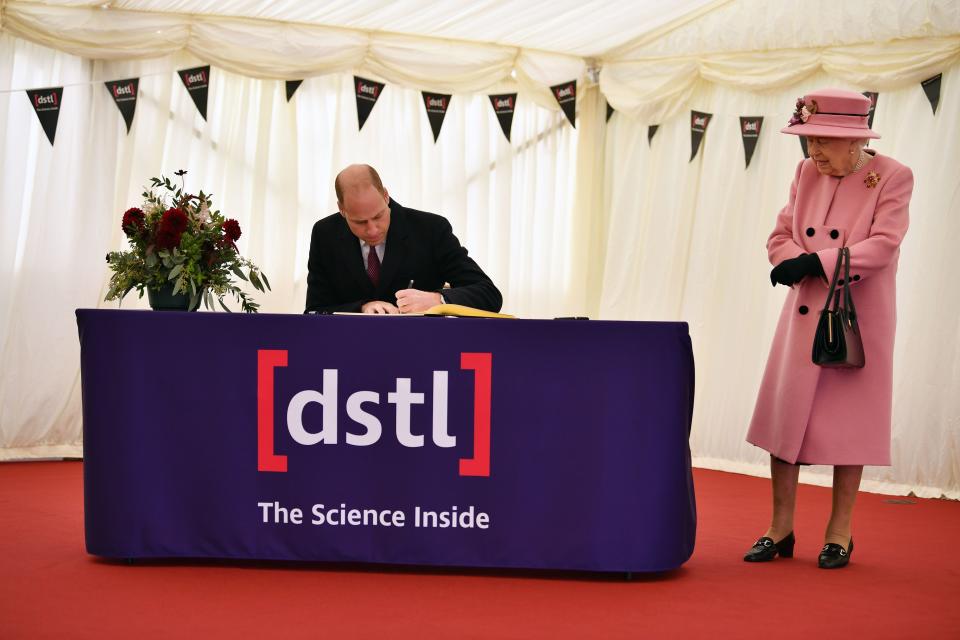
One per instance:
(792, 271)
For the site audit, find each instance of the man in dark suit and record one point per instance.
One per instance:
(375, 251)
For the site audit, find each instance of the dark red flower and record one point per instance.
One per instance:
(231, 228)
(133, 220)
(174, 220)
(167, 238)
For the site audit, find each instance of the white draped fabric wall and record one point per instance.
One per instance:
(687, 242)
(270, 165)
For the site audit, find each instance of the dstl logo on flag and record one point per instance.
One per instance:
(402, 396)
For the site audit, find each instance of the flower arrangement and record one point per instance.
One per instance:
(176, 239)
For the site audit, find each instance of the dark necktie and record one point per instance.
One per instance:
(373, 266)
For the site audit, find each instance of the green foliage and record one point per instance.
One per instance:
(200, 260)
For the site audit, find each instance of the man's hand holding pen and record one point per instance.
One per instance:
(412, 300)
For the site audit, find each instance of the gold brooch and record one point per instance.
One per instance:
(872, 179)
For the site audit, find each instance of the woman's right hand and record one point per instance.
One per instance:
(790, 272)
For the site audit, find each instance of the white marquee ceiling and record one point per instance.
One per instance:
(584, 28)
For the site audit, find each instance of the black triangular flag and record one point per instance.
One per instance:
(197, 82)
(610, 111)
(46, 102)
(124, 93)
(873, 95)
(292, 86)
(931, 87)
(503, 106)
(750, 132)
(566, 95)
(368, 92)
(436, 105)
(699, 121)
(803, 146)
(651, 131)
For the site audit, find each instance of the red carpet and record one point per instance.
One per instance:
(903, 582)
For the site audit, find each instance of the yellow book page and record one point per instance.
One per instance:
(460, 311)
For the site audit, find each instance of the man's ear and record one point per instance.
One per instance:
(386, 196)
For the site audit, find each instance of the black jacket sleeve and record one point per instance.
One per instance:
(470, 286)
(321, 291)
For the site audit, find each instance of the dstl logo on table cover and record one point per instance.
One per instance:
(402, 397)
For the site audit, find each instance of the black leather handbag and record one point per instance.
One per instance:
(837, 341)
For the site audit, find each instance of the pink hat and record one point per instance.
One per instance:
(831, 113)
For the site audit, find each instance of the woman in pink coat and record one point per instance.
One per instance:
(842, 195)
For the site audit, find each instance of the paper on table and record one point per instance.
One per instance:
(360, 313)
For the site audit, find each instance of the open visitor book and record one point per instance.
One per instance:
(450, 310)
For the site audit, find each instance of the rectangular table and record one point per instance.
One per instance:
(417, 440)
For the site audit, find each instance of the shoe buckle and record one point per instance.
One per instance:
(827, 548)
(768, 542)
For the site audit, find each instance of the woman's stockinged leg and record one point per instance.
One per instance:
(783, 477)
(846, 483)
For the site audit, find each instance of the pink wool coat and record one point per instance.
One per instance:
(805, 413)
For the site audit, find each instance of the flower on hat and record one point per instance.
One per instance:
(802, 112)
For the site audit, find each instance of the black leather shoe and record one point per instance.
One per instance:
(834, 556)
(765, 549)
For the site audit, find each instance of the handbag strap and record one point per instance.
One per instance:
(833, 281)
(847, 296)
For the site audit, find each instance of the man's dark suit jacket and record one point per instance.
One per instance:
(420, 247)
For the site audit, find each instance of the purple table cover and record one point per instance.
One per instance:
(538, 444)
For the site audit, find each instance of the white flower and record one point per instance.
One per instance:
(203, 214)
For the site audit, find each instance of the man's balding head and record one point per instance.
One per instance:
(356, 178)
(363, 203)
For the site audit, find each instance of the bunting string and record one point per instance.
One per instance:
(46, 102)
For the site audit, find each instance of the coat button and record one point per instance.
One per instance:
(803, 309)
(856, 277)
(810, 232)
(834, 234)
(840, 283)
